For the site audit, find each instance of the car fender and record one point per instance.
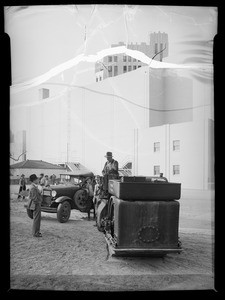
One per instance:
(64, 198)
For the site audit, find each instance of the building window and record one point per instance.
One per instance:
(161, 53)
(176, 169)
(134, 67)
(124, 58)
(139, 66)
(97, 79)
(156, 170)
(124, 69)
(156, 48)
(115, 58)
(110, 71)
(157, 147)
(129, 58)
(115, 70)
(134, 59)
(129, 68)
(176, 145)
(43, 93)
(109, 58)
(100, 78)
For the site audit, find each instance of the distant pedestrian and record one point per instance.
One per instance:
(90, 192)
(89, 187)
(42, 179)
(47, 181)
(34, 204)
(97, 190)
(22, 184)
(53, 179)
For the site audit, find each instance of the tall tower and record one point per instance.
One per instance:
(158, 42)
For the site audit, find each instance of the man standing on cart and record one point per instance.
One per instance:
(111, 166)
(110, 171)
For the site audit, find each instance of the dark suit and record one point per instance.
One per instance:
(35, 199)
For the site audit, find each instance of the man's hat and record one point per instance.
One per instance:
(108, 154)
(33, 177)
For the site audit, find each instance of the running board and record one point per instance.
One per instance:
(46, 209)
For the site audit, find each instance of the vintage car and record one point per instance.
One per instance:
(71, 193)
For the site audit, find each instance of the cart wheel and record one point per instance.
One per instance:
(100, 225)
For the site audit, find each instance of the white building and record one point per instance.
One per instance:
(160, 120)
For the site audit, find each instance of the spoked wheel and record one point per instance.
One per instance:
(63, 212)
(82, 201)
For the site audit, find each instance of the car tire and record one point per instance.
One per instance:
(30, 213)
(63, 212)
(82, 201)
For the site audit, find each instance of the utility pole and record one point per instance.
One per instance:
(68, 126)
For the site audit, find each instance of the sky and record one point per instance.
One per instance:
(43, 37)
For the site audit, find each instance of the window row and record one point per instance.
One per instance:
(176, 146)
(115, 69)
(129, 68)
(176, 170)
(125, 58)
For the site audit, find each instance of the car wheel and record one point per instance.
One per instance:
(82, 201)
(30, 213)
(63, 212)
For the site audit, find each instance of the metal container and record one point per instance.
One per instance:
(142, 227)
(146, 190)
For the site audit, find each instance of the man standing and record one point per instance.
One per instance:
(42, 180)
(35, 199)
(111, 166)
(22, 184)
(97, 190)
(47, 182)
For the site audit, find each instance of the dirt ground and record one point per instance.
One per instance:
(73, 256)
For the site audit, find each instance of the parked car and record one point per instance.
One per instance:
(70, 193)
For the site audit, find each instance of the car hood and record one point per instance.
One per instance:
(65, 189)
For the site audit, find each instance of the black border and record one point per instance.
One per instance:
(218, 61)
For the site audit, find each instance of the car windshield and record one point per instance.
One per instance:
(68, 179)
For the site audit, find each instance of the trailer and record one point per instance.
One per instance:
(139, 216)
